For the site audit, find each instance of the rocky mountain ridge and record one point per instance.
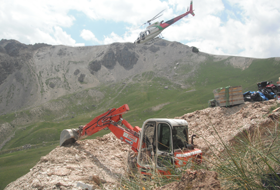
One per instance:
(35, 74)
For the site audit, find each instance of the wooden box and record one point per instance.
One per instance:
(228, 96)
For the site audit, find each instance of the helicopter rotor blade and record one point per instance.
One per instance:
(159, 14)
(155, 17)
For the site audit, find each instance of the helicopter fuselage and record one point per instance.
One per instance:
(151, 32)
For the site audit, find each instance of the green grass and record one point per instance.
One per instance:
(248, 162)
(16, 164)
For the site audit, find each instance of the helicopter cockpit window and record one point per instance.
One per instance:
(142, 35)
(179, 137)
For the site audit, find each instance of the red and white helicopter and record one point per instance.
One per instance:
(153, 30)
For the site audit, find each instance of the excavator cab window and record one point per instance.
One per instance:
(164, 147)
(179, 137)
(148, 144)
(149, 135)
(164, 137)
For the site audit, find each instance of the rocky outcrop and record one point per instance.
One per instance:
(230, 123)
(123, 54)
(32, 75)
(35, 74)
(6, 132)
(90, 164)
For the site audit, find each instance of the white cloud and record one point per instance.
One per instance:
(35, 22)
(89, 36)
(201, 7)
(113, 38)
(248, 28)
(63, 38)
(129, 36)
(133, 12)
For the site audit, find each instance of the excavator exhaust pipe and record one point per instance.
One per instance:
(69, 136)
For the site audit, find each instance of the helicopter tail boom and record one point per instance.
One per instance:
(191, 9)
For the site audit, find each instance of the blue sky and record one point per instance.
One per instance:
(225, 27)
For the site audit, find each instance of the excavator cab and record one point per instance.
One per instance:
(164, 142)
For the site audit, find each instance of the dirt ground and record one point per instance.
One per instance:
(211, 124)
(86, 164)
(100, 163)
(195, 180)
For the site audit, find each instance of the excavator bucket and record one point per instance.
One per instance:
(69, 136)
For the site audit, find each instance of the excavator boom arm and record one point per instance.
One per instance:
(128, 136)
(111, 119)
(104, 120)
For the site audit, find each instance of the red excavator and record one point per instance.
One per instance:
(161, 141)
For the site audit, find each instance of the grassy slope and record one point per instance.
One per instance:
(14, 165)
(141, 95)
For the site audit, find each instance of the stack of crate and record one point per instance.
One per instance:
(228, 96)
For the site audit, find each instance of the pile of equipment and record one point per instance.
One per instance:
(266, 91)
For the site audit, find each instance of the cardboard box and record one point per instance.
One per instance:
(229, 96)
